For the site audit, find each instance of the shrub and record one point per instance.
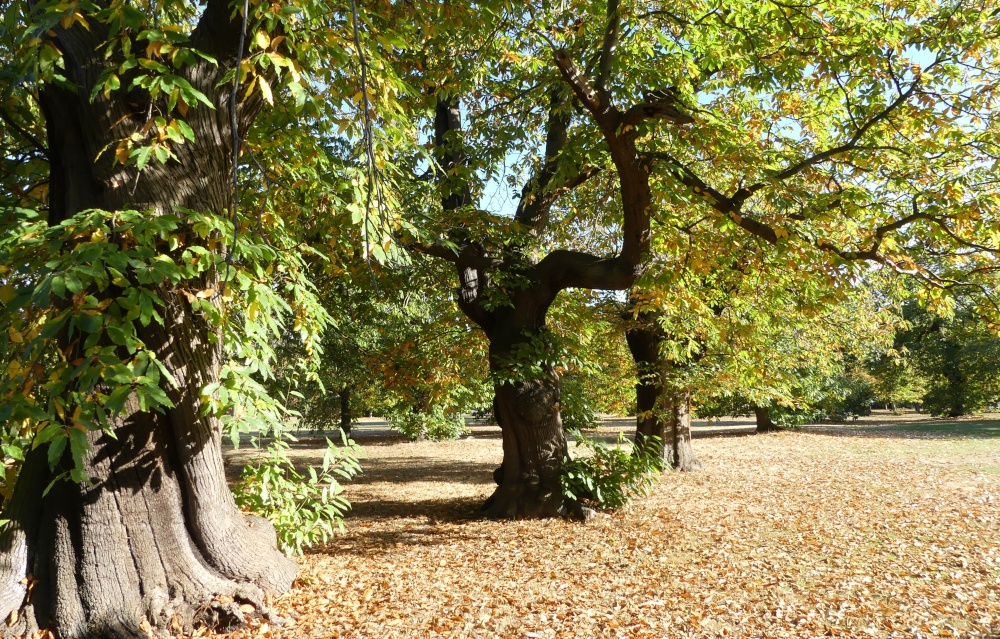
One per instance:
(610, 477)
(305, 509)
(435, 425)
(576, 410)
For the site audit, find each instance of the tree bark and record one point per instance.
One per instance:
(154, 540)
(345, 409)
(663, 410)
(764, 422)
(527, 411)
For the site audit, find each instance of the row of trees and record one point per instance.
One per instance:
(209, 208)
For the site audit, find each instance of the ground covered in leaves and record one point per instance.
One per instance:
(863, 530)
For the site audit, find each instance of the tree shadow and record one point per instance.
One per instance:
(434, 511)
(402, 470)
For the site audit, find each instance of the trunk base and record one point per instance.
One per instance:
(534, 447)
(124, 556)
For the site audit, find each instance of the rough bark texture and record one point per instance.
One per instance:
(763, 417)
(155, 541)
(663, 411)
(534, 443)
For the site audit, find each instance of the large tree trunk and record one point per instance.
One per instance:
(534, 443)
(155, 539)
(663, 410)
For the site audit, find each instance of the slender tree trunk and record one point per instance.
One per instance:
(764, 422)
(663, 411)
(155, 539)
(345, 409)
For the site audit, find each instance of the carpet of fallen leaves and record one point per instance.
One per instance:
(851, 531)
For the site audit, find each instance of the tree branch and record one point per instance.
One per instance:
(842, 148)
(608, 47)
(575, 269)
(729, 206)
(579, 83)
(27, 135)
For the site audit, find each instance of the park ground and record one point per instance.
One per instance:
(887, 527)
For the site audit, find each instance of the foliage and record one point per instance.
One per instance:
(435, 424)
(75, 295)
(306, 510)
(575, 405)
(957, 357)
(609, 477)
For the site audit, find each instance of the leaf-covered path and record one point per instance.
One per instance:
(856, 531)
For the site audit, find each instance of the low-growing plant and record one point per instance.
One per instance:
(611, 476)
(435, 424)
(306, 510)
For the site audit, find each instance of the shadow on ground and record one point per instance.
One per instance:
(435, 511)
(400, 470)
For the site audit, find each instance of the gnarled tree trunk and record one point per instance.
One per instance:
(534, 443)
(663, 410)
(154, 540)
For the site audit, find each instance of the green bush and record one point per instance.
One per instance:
(435, 424)
(305, 509)
(610, 477)
(575, 408)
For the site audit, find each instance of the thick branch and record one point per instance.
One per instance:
(574, 269)
(449, 152)
(580, 85)
(218, 31)
(536, 197)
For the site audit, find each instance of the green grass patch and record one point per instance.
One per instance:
(974, 429)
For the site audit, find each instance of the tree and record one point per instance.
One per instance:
(139, 305)
(663, 397)
(956, 357)
(822, 134)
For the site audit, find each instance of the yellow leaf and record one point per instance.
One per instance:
(15, 335)
(208, 292)
(250, 87)
(262, 40)
(265, 90)
(7, 293)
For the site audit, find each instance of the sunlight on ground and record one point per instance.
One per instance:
(863, 530)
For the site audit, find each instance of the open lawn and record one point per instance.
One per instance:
(880, 528)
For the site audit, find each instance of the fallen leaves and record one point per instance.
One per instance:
(799, 534)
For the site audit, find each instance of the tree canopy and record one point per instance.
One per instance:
(194, 195)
